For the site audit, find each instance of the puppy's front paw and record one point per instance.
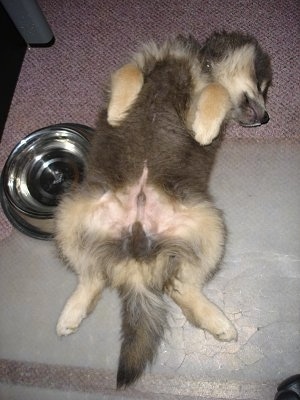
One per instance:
(70, 320)
(205, 134)
(208, 112)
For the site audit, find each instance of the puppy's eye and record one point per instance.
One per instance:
(246, 99)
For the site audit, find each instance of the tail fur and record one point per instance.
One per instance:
(144, 319)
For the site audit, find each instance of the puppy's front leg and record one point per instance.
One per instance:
(126, 84)
(201, 312)
(80, 304)
(208, 111)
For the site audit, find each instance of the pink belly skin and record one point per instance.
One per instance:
(116, 212)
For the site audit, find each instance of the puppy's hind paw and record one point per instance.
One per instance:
(228, 333)
(62, 330)
(220, 326)
(69, 320)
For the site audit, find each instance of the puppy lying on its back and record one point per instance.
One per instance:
(230, 81)
(142, 220)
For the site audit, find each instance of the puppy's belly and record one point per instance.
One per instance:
(115, 213)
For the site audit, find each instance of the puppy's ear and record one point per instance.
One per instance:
(126, 84)
(208, 112)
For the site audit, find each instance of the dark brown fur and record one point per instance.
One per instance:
(155, 130)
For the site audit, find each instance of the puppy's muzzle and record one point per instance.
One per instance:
(252, 113)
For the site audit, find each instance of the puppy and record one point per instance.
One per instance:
(142, 220)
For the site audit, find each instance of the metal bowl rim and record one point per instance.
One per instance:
(19, 223)
(82, 131)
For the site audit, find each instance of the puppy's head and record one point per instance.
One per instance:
(237, 62)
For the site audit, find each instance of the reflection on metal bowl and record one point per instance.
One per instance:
(39, 169)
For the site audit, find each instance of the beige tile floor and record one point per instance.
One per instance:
(257, 185)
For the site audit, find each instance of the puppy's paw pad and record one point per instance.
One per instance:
(228, 333)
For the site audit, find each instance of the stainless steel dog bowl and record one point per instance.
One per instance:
(38, 170)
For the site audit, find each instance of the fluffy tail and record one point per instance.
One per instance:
(144, 319)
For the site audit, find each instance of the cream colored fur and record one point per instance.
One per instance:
(201, 225)
(200, 311)
(235, 73)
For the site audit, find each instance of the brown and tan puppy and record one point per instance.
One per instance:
(233, 84)
(142, 220)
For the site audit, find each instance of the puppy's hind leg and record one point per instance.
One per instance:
(205, 231)
(126, 84)
(201, 312)
(207, 113)
(80, 304)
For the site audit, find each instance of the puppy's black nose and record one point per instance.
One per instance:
(265, 118)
